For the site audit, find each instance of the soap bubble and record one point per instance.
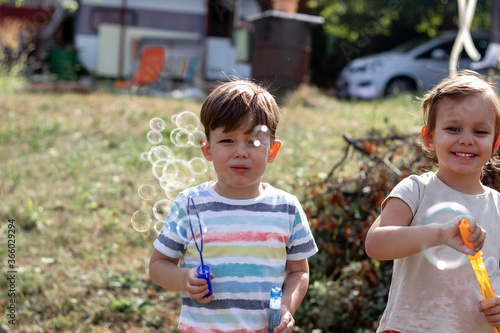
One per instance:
(144, 156)
(159, 153)
(181, 137)
(161, 209)
(184, 230)
(187, 120)
(158, 167)
(147, 191)
(154, 137)
(198, 165)
(157, 124)
(442, 256)
(261, 136)
(172, 188)
(178, 171)
(199, 139)
(159, 226)
(162, 152)
(141, 221)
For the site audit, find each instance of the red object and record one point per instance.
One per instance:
(36, 15)
(150, 68)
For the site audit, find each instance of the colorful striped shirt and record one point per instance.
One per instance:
(246, 243)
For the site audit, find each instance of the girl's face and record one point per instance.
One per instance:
(463, 138)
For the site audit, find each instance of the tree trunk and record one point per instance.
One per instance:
(495, 22)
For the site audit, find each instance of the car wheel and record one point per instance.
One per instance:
(400, 85)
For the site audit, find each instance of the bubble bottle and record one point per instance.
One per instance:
(274, 309)
(477, 263)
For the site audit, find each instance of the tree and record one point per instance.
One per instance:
(354, 28)
(351, 19)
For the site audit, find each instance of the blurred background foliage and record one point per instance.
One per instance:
(355, 28)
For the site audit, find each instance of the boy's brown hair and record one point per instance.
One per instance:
(232, 103)
(466, 83)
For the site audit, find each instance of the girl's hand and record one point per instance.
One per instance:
(449, 234)
(197, 288)
(491, 310)
(286, 325)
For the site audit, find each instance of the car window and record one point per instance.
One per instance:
(411, 44)
(480, 43)
(446, 47)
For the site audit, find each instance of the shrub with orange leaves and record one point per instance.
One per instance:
(348, 290)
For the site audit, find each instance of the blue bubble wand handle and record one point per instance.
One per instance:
(274, 309)
(202, 270)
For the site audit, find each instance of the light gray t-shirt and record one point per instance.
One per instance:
(424, 298)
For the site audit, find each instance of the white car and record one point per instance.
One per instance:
(414, 66)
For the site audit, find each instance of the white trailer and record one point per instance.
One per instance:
(109, 35)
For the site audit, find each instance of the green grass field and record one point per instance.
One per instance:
(69, 176)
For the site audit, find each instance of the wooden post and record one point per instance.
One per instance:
(495, 22)
(123, 27)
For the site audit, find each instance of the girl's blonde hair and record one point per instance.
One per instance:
(466, 83)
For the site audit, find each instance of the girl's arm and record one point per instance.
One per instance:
(391, 236)
(294, 290)
(165, 272)
(491, 310)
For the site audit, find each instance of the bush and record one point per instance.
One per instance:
(348, 290)
(11, 75)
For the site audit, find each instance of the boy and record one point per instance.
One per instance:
(255, 236)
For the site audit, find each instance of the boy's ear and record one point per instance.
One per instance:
(496, 145)
(205, 149)
(274, 151)
(427, 138)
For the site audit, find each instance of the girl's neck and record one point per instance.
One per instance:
(468, 183)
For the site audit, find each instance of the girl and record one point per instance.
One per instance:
(462, 126)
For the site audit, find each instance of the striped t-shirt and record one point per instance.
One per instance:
(246, 243)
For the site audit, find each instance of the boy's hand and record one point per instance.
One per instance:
(197, 288)
(491, 311)
(449, 234)
(286, 325)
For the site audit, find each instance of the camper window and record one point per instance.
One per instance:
(109, 15)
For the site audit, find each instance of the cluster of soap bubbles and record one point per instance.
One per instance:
(444, 257)
(171, 174)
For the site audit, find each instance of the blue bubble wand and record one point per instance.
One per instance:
(203, 270)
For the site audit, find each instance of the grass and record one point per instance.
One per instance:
(69, 177)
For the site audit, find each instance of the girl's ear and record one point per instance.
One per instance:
(427, 138)
(274, 151)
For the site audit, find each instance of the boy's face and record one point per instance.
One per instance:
(239, 161)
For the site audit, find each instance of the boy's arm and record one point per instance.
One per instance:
(294, 290)
(391, 236)
(165, 272)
